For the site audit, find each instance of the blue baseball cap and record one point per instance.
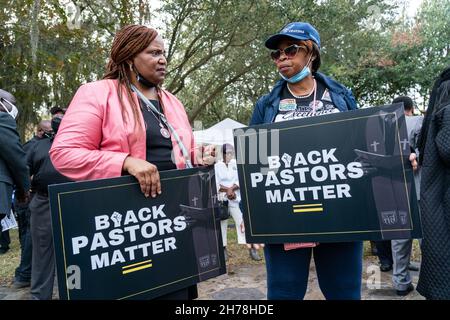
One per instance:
(295, 30)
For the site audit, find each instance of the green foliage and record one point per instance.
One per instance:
(63, 58)
(214, 45)
(218, 65)
(407, 58)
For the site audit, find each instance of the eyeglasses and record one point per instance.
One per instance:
(289, 52)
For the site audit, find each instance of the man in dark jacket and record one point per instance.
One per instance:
(434, 147)
(13, 168)
(44, 174)
(22, 276)
(43, 126)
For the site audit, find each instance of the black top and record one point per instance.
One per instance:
(292, 107)
(30, 143)
(159, 149)
(41, 167)
(159, 153)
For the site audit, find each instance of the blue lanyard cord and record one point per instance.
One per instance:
(163, 119)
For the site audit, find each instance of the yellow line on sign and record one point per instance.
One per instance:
(308, 210)
(136, 264)
(137, 269)
(307, 205)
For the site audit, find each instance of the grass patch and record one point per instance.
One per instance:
(415, 255)
(10, 260)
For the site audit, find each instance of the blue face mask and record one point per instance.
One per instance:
(306, 71)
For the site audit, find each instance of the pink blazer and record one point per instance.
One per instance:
(93, 140)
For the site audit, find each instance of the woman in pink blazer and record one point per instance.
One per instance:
(108, 131)
(126, 123)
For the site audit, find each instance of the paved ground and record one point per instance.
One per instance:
(248, 282)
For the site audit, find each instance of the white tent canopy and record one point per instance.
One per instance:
(219, 133)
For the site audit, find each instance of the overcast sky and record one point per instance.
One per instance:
(413, 5)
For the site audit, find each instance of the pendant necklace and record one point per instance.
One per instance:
(164, 132)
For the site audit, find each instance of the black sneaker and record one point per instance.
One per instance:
(18, 284)
(386, 267)
(254, 254)
(406, 291)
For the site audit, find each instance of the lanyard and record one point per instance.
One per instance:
(315, 96)
(149, 104)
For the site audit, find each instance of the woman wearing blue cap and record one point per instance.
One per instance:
(304, 92)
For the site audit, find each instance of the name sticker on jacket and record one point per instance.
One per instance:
(287, 105)
(326, 96)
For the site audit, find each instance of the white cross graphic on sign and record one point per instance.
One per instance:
(374, 145)
(404, 143)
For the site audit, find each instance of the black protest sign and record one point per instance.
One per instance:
(340, 177)
(113, 243)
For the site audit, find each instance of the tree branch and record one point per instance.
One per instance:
(184, 13)
(194, 114)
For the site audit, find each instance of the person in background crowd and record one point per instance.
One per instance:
(127, 124)
(401, 249)
(42, 127)
(228, 185)
(384, 253)
(22, 277)
(13, 168)
(434, 148)
(44, 174)
(57, 111)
